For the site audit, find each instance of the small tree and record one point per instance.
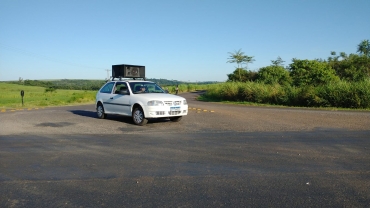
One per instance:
(239, 58)
(274, 74)
(353, 68)
(311, 72)
(49, 89)
(242, 75)
(364, 48)
(277, 62)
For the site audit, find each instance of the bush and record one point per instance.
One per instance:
(340, 94)
(346, 94)
(242, 75)
(311, 72)
(351, 68)
(50, 89)
(274, 75)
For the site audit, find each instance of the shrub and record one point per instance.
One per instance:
(311, 72)
(50, 89)
(335, 94)
(242, 75)
(352, 68)
(274, 75)
(346, 94)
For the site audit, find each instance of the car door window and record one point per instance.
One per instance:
(107, 88)
(121, 88)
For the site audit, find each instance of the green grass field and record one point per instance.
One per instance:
(10, 96)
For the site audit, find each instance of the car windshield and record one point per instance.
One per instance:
(145, 87)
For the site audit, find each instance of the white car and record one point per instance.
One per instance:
(142, 100)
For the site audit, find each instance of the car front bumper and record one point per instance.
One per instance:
(165, 111)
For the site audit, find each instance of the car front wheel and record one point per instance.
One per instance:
(100, 111)
(138, 117)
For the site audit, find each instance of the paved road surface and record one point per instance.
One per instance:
(218, 156)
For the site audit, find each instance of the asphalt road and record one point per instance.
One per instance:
(218, 156)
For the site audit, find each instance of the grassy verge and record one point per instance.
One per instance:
(347, 95)
(10, 96)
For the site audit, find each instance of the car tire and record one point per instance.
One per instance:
(100, 111)
(138, 117)
(176, 119)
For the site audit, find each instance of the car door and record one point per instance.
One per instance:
(120, 99)
(105, 95)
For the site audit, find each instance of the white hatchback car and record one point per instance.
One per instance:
(142, 100)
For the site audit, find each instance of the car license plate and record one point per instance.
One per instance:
(177, 108)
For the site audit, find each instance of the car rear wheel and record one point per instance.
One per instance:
(100, 111)
(176, 119)
(138, 117)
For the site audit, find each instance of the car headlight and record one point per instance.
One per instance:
(155, 103)
(185, 102)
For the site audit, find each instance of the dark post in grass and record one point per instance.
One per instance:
(22, 94)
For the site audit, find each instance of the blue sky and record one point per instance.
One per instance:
(186, 40)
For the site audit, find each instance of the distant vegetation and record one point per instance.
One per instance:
(166, 82)
(78, 84)
(67, 84)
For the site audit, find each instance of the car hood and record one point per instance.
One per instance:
(158, 96)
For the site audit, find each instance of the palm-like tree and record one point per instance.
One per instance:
(239, 58)
(364, 48)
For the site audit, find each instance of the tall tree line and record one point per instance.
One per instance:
(352, 67)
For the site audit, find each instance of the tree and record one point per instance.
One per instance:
(311, 72)
(242, 75)
(274, 74)
(239, 58)
(364, 48)
(343, 55)
(277, 62)
(352, 68)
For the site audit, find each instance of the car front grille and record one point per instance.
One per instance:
(159, 113)
(173, 113)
